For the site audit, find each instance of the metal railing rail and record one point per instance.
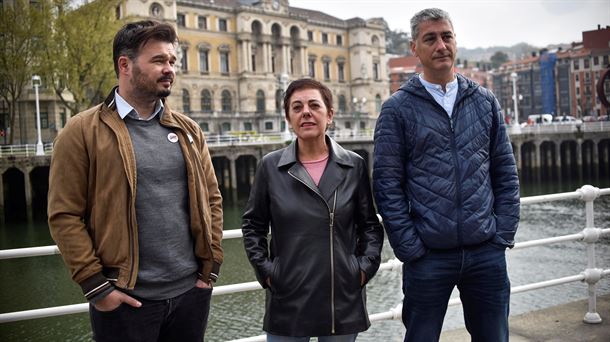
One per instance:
(591, 275)
(29, 150)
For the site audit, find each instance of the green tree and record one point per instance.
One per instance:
(498, 58)
(21, 28)
(78, 50)
(397, 42)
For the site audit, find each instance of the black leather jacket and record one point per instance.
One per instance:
(322, 238)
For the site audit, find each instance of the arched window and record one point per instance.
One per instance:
(206, 101)
(260, 101)
(342, 104)
(186, 101)
(227, 101)
(378, 103)
(375, 41)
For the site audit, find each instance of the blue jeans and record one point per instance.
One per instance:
(334, 338)
(480, 274)
(182, 318)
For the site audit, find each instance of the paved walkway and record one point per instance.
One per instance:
(561, 323)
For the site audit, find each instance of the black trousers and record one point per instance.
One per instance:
(182, 318)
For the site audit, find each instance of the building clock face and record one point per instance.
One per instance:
(276, 4)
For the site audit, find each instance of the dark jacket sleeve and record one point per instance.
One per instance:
(389, 177)
(370, 232)
(255, 226)
(504, 180)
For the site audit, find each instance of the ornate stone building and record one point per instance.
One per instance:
(237, 57)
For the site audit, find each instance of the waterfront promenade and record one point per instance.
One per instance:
(562, 323)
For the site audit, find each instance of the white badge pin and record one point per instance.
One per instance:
(190, 138)
(172, 137)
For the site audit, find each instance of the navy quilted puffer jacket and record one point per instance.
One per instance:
(443, 183)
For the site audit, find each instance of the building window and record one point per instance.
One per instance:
(342, 104)
(605, 61)
(586, 60)
(203, 61)
(325, 38)
(312, 68)
(224, 62)
(247, 126)
(576, 64)
(376, 71)
(378, 103)
(222, 25)
(339, 40)
(226, 101)
(596, 60)
(576, 78)
(326, 70)
(186, 101)
(204, 126)
(225, 127)
(341, 71)
(310, 36)
(181, 20)
(202, 22)
(62, 118)
(184, 59)
(260, 101)
(155, 10)
(362, 125)
(269, 125)
(206, 101)
(348, 125)
(44, 120)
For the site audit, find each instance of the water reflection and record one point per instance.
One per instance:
(44, 281)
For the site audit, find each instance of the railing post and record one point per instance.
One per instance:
(592, 274)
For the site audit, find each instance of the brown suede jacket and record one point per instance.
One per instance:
(92, 187)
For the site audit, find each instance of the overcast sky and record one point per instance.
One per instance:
(484, 23)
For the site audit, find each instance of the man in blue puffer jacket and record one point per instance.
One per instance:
(446, 185)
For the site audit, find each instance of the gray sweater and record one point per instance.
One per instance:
(167, 266)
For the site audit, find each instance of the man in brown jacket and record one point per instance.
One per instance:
(134, 204)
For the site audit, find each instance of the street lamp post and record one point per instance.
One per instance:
(39, 146)
(516, 128)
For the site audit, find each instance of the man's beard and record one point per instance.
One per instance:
(145, 87)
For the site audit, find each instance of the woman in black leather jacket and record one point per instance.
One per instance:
(326, 238)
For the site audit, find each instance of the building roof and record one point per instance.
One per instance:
(317, 16)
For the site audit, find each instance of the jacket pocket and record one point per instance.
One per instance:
(275, 277)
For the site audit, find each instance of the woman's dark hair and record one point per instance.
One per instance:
(132, 36)
(307, 83)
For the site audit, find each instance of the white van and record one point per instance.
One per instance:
(539, 119)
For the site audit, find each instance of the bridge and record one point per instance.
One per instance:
(543, 152)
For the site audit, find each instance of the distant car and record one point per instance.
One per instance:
(566, 119)
(603, 118)
(589, 118)
(537, 119)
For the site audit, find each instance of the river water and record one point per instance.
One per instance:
(38, 282)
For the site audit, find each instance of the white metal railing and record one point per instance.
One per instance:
(591, 275)
(565, 127)
(29, 150)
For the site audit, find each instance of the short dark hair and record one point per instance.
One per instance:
(307, 83)
(131, 37)
(428, 14)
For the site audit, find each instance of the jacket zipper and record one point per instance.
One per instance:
(458, 188)
(331, 214)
